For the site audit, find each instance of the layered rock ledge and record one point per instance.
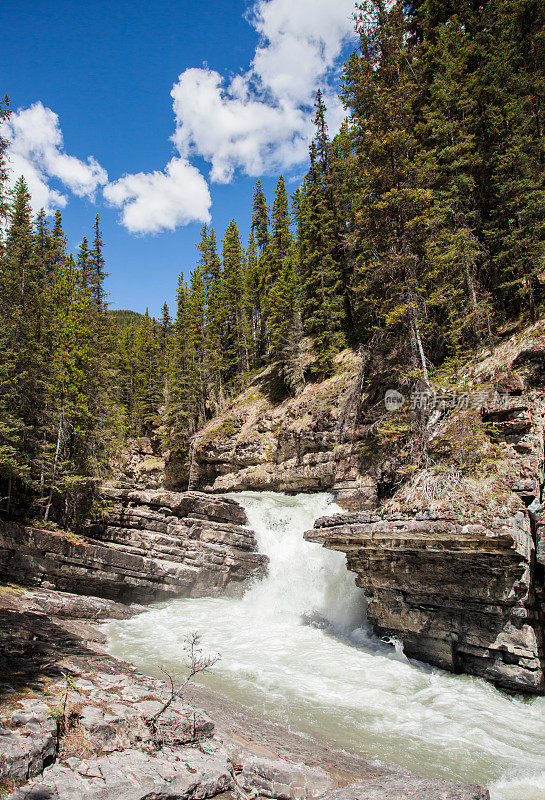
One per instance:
(459, 595)
(152, 545)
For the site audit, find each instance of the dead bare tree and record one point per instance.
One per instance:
(196, 662)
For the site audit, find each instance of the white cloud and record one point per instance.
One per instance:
(235, 131)
(35, 151)
(261, 121)
(258, 122)
(155, 201)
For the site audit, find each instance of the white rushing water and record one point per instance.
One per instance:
(296, 649)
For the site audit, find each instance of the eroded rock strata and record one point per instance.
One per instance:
(453, 565)
(458, 594)
(154, 544)
(306, 443)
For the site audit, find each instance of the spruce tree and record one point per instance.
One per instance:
(85, 264)
(254, 321)
(21, 316)
(258, 255)
(148, 384)
(210, 264)
(178, 401)
(97, 266)
(515, 225)
(166, 326)
(321, 280)
(70, 470)
(57, 249)
(232, 339)
(4, 115)
(393, 203)
(281, 235)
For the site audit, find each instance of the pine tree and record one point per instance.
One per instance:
(148, 384)
(179, 414)
(260, 219)
(394, 206)
(56, 251)
(43, 243)
(166, 326)
(285, 326)
(258, 255)
(449, 63)
(21, 306)
(84, 263)
(281, 236)
(196, 348)
(254, 321)
(14, 468)
(70, 472)
(127, 376)
(210, 264)
(232, 339)
(322, 290)
(4, 115)
(97, 266)
(515, 228)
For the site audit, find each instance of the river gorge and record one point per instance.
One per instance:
(296, 648)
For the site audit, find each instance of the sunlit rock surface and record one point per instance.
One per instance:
(154, 544)
(459, 595)
(266, 441)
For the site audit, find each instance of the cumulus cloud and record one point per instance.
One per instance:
(35, 150)
(155, 201)
(260, 121)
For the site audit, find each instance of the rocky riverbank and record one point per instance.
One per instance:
(151, 545)
(76, 723)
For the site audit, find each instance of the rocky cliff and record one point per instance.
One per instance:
(459, 594)
(152, 545)
(452, 564)
(294, 444)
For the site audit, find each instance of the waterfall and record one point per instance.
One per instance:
(305, 583)
(296, 649)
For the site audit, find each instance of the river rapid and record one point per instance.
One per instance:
(296, 649)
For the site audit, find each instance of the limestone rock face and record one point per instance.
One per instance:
(28, 741)
(459, 595)
(294, 444)
(154, 544)
(455, 568)
(140, 464)
(398, 788)
(134, 775)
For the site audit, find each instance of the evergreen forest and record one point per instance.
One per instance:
(417, 233)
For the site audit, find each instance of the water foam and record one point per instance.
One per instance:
(297, 648)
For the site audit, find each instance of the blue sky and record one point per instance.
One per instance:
(163, 115)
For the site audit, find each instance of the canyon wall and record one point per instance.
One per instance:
(458, 594)
(152, 545)
(453, 565)
(263, 442)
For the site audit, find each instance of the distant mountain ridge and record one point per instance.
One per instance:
(124, 318)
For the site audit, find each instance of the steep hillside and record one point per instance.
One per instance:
(449, 546)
